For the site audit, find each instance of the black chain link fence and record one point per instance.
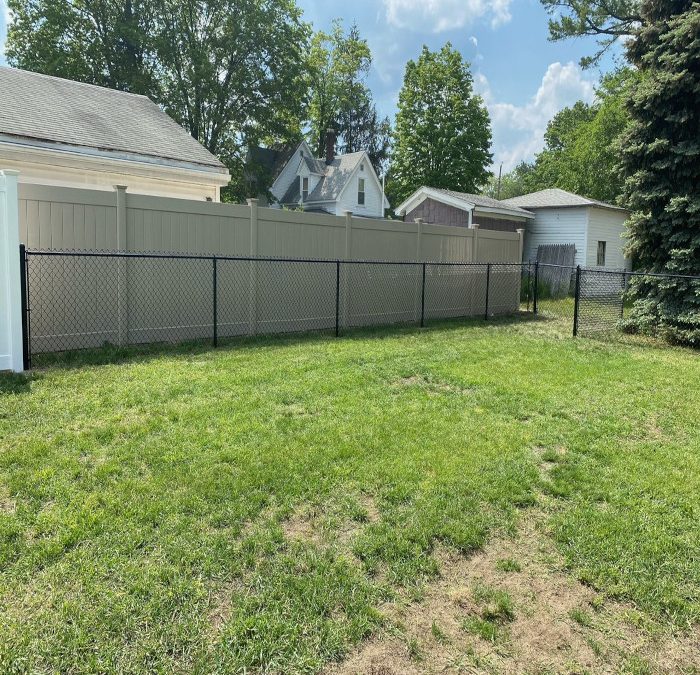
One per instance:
(82, 300)
(597, 302)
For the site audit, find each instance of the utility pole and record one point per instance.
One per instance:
(498, 193)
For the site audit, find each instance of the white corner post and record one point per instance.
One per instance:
(475, 242)
(11, 346)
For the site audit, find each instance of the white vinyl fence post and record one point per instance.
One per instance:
(475, 242)
(521, 243)
(11, 351)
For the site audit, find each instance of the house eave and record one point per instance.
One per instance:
(607, 207)
(37, 152)
(423, 193)
(506, 213)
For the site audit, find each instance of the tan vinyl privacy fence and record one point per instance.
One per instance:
(73, 219)
(83, 300)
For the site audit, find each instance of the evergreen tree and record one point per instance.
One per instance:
(443, 130)
(661, 158)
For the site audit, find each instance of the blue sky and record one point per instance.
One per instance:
(524, 78)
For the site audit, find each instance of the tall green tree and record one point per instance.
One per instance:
(340, 99)
(582, 147)
(443, 130)
(99, 42)
(230, 71)
(661, 159)
(581, 151)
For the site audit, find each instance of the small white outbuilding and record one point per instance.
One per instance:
(595, 228)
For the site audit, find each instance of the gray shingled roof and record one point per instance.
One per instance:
(315, 165)
(556, 198)
(51, 109)
(482, 200)
(336, 176)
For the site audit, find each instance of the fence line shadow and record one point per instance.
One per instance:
(113, 355)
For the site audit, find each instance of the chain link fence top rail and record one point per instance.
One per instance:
(81, 300)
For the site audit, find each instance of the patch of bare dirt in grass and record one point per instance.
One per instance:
(301, 526)
(221, 604)
(557, 624)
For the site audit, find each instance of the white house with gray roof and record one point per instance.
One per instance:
(334, 185)
(70, 134)
(596, 229)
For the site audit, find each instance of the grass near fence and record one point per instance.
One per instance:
(269, 505)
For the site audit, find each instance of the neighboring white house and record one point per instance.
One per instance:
(462, 209)
(595, 228)
(70, 134)
(333, 185)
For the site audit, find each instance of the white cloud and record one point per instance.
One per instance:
(441, 15)
(7, 17)
(518, 131)
(7, 12)
(473, 40)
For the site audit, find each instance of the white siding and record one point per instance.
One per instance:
(289, 173)
(373, 195)
(608, 226)
(557, 226)
(75, 170)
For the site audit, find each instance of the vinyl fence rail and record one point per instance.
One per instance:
(81, 300)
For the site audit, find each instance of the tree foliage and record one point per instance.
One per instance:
(581, 152)
(661, 159)
(519, 181)
(339, 98)
(209, 63)
(607, 20)
(443, 131)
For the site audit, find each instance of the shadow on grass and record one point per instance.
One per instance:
(112, 354)
(15, 383)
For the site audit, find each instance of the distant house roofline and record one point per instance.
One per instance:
(556, 198)
(462, 201)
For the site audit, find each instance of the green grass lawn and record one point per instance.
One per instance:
(147, 505)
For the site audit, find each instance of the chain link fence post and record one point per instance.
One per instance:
(488, 281)
(422, 301)
(26, 352)
(337, 298)
(535, 290)
(215, 304)
(577, 296)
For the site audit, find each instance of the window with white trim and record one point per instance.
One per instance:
(304, 188)
(361, 191)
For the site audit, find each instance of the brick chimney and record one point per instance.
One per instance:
(330, 146)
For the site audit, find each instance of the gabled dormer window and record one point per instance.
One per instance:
(304, 188)
(361, 191)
